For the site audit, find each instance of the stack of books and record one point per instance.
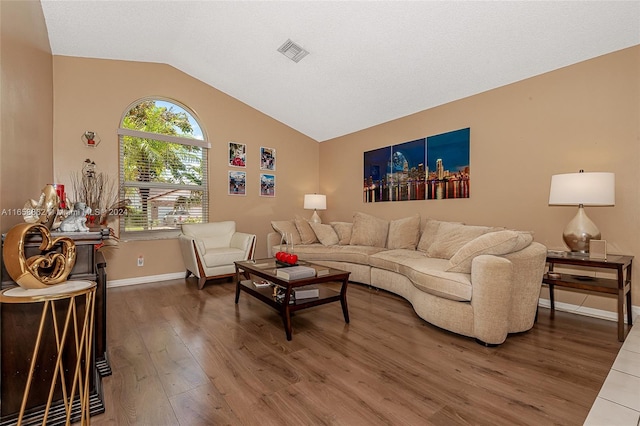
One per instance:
(262, 283)
(321, 271)
(306, 292)
(296, 273)
(280, 292)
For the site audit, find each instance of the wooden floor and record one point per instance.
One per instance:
(181, 356)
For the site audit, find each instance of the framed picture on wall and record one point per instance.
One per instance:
(237, 154)
(267, 185)
(237, 182)
(431, 168)
(267, 158)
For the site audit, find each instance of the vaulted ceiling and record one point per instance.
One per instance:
(369, 62)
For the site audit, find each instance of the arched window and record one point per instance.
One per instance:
(163, 167)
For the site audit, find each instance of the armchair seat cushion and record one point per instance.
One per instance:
(222, 256)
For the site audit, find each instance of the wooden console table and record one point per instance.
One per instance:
(620, 286)
(19, 322)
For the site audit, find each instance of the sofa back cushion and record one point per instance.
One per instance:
(450, 237)
(404, 233)
(325, 233)
(343, 229)
(369, 231)
(496, 243)
(307, 236)
(429, 234)
(287, 229)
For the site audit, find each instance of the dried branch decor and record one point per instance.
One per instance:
(97, 191)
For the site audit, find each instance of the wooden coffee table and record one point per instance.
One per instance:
(267, 269)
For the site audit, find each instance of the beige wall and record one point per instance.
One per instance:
(92, 94)
(26, 107)
(584, 116)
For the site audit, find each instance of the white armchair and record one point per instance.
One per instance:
(209, 249)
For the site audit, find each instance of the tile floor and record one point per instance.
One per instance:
(618, 402)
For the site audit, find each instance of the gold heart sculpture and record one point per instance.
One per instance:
(43, 270)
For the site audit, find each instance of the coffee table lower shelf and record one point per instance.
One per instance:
(284, 308)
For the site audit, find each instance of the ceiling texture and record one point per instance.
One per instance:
(369, 62)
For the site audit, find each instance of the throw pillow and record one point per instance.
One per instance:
(451, 236)
(429, 234)
(325, 233)
(369, 231)
(343, 229)
(497, 243)
(404, 233)
(287, 229)
(524, 240)
(307, 236)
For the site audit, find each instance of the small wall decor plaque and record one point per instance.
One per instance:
(237, 154)
(237, 182)
(267, 185)
(267, 158)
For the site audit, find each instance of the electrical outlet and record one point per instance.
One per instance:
(140, 261)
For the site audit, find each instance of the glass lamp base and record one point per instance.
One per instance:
(579, 232)
(315, 218)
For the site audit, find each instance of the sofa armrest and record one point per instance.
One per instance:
(529, 265)
(245, 242)
(492, 281)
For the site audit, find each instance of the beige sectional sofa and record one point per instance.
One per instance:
(478, 281)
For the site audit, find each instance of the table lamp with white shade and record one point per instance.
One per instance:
(315, 202)
(582, 189)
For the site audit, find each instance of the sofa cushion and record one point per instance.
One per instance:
(307, 236)
(286, 229)
(349, 254)
(451, 236)
(404, 233)
(325, 233)
(425, 273)
(343, 229)
(496, 243)
(429, 232)
(369, 231)
(222, 256)
(392, 260)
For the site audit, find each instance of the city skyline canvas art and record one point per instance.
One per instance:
(431, 168)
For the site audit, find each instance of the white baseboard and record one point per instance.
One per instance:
(145, 280)
(589, 312)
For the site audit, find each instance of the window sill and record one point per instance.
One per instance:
(150, 236)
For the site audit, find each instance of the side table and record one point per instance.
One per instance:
(74, 339)
(620, 286)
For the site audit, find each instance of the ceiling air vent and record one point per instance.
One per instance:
(293, 51)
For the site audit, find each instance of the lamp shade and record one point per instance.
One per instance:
(588, 189)
(315, 202)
